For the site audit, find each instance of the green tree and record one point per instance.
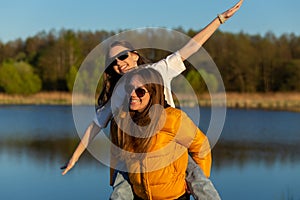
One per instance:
(287, 77)
(19, 78)
(200, 80)
(70, 77)
(56, 59)
(89, 79)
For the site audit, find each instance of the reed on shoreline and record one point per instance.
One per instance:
(268, 101)
(42, 98)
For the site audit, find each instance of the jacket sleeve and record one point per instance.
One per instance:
(196, 142)
(201, 152)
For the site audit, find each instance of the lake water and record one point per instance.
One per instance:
(257, 156)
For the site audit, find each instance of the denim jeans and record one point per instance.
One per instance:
(200, 186)
(121, 188)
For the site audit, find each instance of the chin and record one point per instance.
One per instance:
(132, 108)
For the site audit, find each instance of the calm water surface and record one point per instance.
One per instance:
(257, 156)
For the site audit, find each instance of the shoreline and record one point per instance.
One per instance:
(266, 101)
(42, 98)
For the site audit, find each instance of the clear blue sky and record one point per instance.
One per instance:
(21, 19)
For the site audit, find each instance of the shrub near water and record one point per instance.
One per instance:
(19, 78)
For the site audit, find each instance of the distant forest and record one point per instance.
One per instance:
(49, 61)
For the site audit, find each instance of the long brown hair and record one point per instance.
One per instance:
(132, 130)
(110, 76)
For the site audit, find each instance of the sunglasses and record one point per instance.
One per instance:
(140, 92)
(124, 55)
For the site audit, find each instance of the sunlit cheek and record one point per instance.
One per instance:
(143, 105)
(145, 101)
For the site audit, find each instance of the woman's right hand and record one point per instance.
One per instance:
(91, 132)
(68, 166)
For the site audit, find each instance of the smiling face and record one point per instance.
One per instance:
(121, 65)
(139, 95)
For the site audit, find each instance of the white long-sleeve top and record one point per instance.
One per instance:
(169, 68)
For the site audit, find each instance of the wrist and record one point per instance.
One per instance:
(221, 18)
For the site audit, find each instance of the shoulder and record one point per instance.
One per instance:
(175, 112)
(174, 118)
(170, 66)
(170, 111)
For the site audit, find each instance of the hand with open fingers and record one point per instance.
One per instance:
(230, 12)
(68, 166)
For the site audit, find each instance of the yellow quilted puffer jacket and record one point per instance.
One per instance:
(161, 173)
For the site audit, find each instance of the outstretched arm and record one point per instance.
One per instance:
(89, 135)
(103, 116)
(200, 38)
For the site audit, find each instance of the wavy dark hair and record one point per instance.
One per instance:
(142, 125)
(110, 76)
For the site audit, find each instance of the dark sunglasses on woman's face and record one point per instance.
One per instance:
(140, 92)
(122, 56)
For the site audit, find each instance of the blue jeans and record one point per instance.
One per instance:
(121, 188)
(200, 186)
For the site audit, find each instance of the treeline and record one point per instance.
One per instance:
(247, 63)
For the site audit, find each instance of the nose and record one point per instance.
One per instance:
(133, 93)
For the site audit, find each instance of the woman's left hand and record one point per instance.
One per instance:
(230, 12)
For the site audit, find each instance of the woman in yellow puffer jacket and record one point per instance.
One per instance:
(153, 139)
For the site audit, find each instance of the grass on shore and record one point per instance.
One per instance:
(47, 98)
(269, 101)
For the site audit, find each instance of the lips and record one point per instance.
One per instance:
(134, 101)
(123, 69)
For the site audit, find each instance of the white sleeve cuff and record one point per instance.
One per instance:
(103, 116)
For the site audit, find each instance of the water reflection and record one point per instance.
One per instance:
(269, 169)
(39, 150)
(224, 153)
(258, 153)
(244, 153)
